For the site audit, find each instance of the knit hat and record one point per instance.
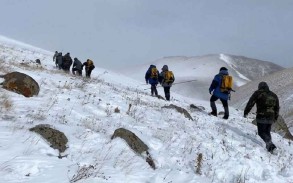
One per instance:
(263, 85)
(165, 68)
(223, 68)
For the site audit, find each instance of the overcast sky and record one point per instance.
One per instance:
(125, 32)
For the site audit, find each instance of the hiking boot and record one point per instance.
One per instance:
(271, 147)
(225, 117)
(213, 113)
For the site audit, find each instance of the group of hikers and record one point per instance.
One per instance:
(165, 78)
(65, 62)
(267, 102)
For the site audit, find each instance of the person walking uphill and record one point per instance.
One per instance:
(77, 66)
(166, 79)
(218, 91)
(67, 62)
(152, 78)
(89, 66)
(55, 58)
(267, 111)
(59, 60)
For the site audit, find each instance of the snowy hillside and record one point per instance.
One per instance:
(194, 74)
(207, 149)
(281, 83)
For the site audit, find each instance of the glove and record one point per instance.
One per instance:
(210, 91)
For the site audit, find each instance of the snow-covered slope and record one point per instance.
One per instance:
(205, 150)
(281, 83)
(194, 74)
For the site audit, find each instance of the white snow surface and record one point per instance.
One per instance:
(83, 110)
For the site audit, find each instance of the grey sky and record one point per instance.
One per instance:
(123, 32)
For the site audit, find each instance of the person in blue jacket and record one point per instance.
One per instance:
(151, 77)
(216, 93)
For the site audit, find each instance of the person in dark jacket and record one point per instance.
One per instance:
(59, 60)
(166, 82)
(152, 78)
(67, 62)
(77, 66)
(267, 111)
(55, 58)
(89, 66)
(216, 93)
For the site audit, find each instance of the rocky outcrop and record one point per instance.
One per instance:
(135, 143)
(180, 110)
(56, 138)
(20, 83)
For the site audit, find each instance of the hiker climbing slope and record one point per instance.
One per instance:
(89, 66)
(166, 79)
(267, 112)
(220, 88)
(77, 66)
(152, 78)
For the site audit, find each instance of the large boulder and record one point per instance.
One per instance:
(20, 83)
(56, 138)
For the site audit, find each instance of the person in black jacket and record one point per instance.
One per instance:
(59, 60)
(267, 111)
(67, 62)
(77, 66)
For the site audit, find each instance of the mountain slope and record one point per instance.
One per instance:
(194, 74)
(83, 109)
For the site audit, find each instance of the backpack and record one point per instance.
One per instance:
(90, 63)
(154, 73)
(227, 83)
(270, 103)
(168, 77)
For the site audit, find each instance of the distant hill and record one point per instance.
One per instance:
(203, 69)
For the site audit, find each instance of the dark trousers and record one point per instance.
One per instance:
(214, 107)
(264, 131)
(88, 72)
(167, 92)
(154, 89)
(79, 72)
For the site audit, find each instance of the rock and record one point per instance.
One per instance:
(20, 83)
(135, 143)
(180, 110)
(197, 108)
(56, 138)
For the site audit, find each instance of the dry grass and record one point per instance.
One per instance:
(6, 103)
(199, 163)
